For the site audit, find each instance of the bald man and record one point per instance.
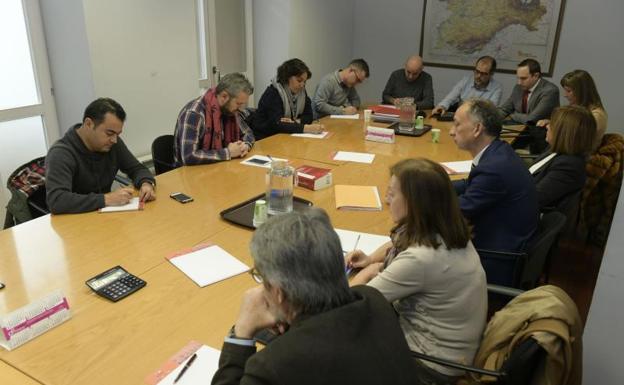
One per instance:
(410, 82)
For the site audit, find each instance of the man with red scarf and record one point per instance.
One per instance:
(211, 128)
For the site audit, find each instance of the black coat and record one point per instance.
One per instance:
(266, 120)
(358, 343)
(561, 176)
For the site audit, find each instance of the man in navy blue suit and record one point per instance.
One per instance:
(499, 197)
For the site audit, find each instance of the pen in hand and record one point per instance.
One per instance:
(349, 268)
(185, 368)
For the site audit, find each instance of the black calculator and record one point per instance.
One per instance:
(115, 284)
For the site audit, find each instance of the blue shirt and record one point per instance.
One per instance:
(465, 89)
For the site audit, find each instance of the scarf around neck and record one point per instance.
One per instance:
(218, 126)
(293, 104)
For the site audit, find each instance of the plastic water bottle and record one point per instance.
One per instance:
(281, 180)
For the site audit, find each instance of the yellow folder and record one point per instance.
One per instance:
(357, 198)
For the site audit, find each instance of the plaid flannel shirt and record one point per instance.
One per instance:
(189, 135)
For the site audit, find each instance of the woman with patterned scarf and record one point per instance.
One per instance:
(285, 106)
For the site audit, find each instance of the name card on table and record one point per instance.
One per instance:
(378, 134)
(32, 320)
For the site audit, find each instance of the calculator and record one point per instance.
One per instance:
(115, 284)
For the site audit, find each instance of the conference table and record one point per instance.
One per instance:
(123, 342)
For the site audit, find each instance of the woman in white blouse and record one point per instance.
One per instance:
(430, 271)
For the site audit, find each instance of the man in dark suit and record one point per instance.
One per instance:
(499, 197)
(532, 98)
(331, 334)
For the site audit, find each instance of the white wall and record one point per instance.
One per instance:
(68, 55)
(385, 33)
(144, 54)
(604, 331)
(318, 32)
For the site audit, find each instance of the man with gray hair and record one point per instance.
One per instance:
(330, 333)
(498, 198)
(212, 127)
(410, 82)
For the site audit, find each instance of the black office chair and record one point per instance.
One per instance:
(518, 369)
(162, 154)
(523, 270)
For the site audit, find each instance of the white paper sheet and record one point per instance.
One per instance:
(354, 116)
(360, 157)
(133, 205)
(209, 265)
(260, 161)
(367, 242)
(201, 370)
(313, 136)
(462, 167)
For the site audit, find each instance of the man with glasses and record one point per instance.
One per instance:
(480, 85)
(336, 94)
(410, 82)
(330, 333)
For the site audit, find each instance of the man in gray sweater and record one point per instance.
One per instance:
(336, 94)
(81, 166)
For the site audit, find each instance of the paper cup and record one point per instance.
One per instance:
(435, 135)
(367, 115)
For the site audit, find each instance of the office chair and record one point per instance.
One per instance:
(162, 154)
(523, 270)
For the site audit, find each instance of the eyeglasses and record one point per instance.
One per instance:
(357, 77)
(481, 73)
(256, 275)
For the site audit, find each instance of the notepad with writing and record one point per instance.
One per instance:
(201, 371)
(357, 198)
(134, 205)
(207, 264)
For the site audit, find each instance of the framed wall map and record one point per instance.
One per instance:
(457, 32)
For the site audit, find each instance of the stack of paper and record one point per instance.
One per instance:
(352, 240)
(134, 205)
(208, 264)
(354, 116)
(359, 157)
(321, 135)
(357, 198)
(462, 167)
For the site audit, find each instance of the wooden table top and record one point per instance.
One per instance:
(123, 342)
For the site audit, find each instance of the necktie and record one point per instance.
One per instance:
(525, 101)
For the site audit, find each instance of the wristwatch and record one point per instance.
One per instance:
(232, 334)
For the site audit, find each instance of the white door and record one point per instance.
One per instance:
(227, 39)
(28, 124)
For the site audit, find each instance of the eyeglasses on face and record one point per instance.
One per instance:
(481, 73)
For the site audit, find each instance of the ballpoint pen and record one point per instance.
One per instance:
(349, 267)
(185, 368)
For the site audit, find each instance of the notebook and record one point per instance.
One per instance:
(357, 198)
(201, 371)
(461, 167)
(134, 205)
(207, 264)
(351, 240)
(359, 157)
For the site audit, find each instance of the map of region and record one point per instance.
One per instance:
(456, 32)
(473, 23)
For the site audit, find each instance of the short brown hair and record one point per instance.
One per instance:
(573, 130)
(432, 206)
(583, 87)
